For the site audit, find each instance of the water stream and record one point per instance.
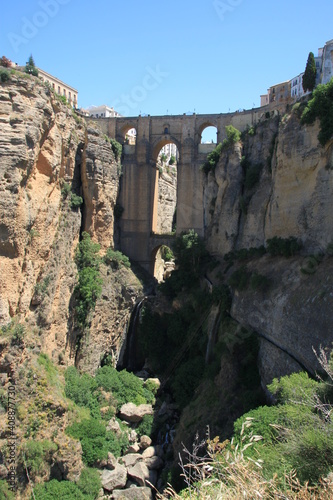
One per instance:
(128, 354)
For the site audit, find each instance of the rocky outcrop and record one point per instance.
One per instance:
(290, 196)
(49, 155)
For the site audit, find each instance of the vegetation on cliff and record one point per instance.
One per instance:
(279, 451)
(321, 106)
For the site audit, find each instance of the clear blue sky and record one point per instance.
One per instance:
(173, 57)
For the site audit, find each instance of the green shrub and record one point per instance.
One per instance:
(80, 388)
(233, 136)
(212, 159)
(167, 254)
(286, 247)
(116, 148)
(321, 106)
(76, 201)
(61, 98)
(36, 453)
(91, 433)
(145, 427)
(245, 253)
(116, 259)
(4, 75)
(89, 483)
(125, 386)
(64, 490)
(65, 190)
(89, 287)
(5, 492)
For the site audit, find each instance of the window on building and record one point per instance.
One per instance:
(64, 92)
(69, 95)
(59, 90)
(53, 86)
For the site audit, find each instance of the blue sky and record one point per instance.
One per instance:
(149, 57)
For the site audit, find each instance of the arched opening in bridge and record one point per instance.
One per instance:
(128, 139)
(162, 262)
(209, 135)
(165, 196)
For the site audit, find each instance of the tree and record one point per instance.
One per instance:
(309, 77)
(30, 67)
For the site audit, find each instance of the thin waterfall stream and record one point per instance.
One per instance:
(128, 354)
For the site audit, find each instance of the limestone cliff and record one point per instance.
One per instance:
(289, 195)
(48, 156)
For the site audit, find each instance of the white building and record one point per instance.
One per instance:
(103, 111)
(296, 85)
(170, 150)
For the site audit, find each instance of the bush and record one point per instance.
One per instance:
(64, 490)
(321, 106)
(76, 201)
(91, 433)
(287, 247)
(4, 75)
(233, 136)
(116, 148)
(89, 287)
(5, 492)
(212, 159)
(36, 453)
(89, 483)
(65, 190)
(116, 259)
(125, 386)
(80, 388)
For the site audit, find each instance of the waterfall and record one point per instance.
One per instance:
(128, 354)
(213, 327)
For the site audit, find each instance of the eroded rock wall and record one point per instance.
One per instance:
(44, 147)
(291, 198)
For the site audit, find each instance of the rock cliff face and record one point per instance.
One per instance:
(44, 149)
(289, 195)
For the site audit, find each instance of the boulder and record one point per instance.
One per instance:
(138, 473)
(133, 414)
(149, 452)
(145, 442)
(134, 448)
(114, 426)
(131, 459)
(114, 479)
(133, 494)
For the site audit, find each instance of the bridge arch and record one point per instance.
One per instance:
(158, 266)
(165, 185)
(160, 143)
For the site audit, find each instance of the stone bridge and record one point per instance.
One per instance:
(139, 182)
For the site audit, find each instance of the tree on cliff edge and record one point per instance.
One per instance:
(30, 67)
(309, 77)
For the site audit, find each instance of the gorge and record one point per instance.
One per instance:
(257, 280)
